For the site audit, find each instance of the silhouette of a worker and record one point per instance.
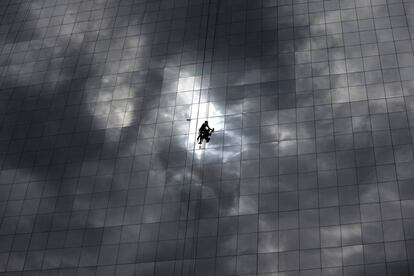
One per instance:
(204, 132)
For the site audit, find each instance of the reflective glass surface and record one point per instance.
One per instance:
(309, 171)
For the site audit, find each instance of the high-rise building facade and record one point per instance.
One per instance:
(309, 171)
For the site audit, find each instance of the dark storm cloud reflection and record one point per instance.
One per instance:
(56, 91)
(225, 188)
(122, 101)
(219, 184)
(95, 154)
(84, 103)
(16, 16)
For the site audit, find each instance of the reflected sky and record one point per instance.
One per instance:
(309, 167)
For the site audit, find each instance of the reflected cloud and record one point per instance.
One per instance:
(114, 108)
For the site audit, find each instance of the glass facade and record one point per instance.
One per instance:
(309, 172)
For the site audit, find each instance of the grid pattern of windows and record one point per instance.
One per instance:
(310, 170)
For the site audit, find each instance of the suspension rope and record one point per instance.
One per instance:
(194, 237)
